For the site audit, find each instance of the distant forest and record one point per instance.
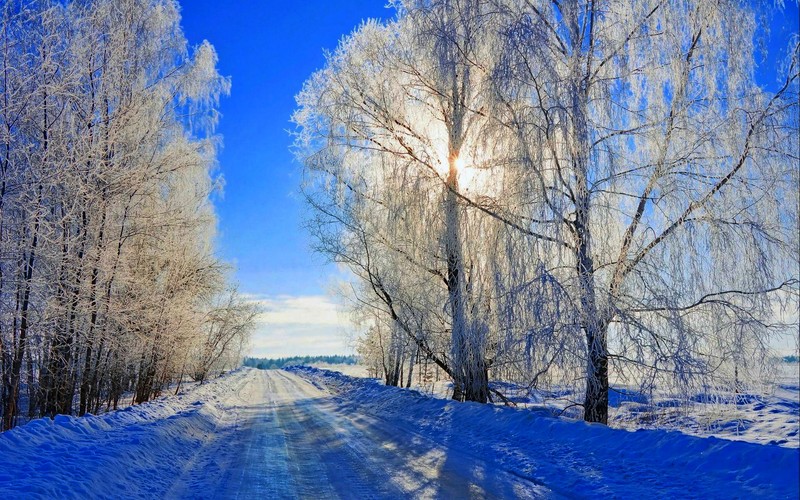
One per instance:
(276, 363)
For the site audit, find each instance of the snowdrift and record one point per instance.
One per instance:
(574, 458)
(135, 452)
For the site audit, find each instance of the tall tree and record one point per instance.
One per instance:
(598, 185)
(678, 206)
(106, 223)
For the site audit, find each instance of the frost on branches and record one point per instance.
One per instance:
(551, 192)
(108, 279)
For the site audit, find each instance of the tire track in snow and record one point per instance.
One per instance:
(282, 437)
(261, 471)
(370, 458)
(326, 463)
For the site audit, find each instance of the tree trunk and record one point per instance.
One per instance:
(88, 375)
(470, 382)
(414, 357)
(593, 322)
(11, 409)
(33, 399)
(595, 405)
(595, 327)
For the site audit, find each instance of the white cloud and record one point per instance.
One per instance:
(303, 310)
(299, 325)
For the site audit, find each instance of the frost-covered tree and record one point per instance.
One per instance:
(389, 118)
(228, 323)
(667, 174)
(596, 185)
(106, 224)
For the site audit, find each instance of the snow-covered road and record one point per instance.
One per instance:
(314, 434)
(293, 440)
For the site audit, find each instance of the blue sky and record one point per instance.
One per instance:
(269, 49)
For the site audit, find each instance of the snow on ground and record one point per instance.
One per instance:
(251, 434)
(311, 433)
(769, 414)
(355, 370)
(770, 417)
(126, 400)
(130, 452)
(573, 458)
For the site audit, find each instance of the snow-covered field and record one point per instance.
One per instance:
(764, 414)
(767, 414)
(311, 433)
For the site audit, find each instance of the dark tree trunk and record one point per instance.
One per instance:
(88, 375)
(594, 322)
(469, 382)
(595, 405)
(33, 391)
(411, 361)
(11, 409)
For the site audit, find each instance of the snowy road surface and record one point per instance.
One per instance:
(294, 441)
(317, 434)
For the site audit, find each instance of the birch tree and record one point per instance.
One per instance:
(666, 170)
(406, 96)
(608, 186)
(106, 223)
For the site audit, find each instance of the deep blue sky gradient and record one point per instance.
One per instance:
(269, 49)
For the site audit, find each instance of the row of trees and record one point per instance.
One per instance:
(108, 279)
(559, 192)
(278, 363)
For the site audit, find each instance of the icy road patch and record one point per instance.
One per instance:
(317, 434)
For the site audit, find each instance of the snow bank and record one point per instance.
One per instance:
(572, 457)
(155, 450)
(135, 452)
